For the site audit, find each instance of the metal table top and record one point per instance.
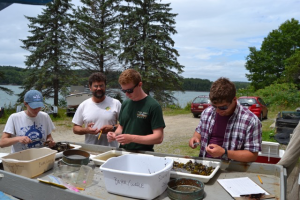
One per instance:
(25, 188)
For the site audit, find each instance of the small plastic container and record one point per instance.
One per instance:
(85, 176)
(270, 148)
(62, 168)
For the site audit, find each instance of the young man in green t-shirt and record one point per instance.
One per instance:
(141, 119)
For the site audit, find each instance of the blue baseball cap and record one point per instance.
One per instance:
(34, 99)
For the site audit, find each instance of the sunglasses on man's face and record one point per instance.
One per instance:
(220, 107)
(129, 91)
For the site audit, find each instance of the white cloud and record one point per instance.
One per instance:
(213, 35)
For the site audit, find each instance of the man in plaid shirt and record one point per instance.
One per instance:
(226, 129)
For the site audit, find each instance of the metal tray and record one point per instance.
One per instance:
(60, 154)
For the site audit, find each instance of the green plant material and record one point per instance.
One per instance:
(61, 115)
(62, 103)
(7, 112)
(49, 61)
(193, 168)
(268, 136)
(291, 72)
(277, 96)
(175, 109)
(188, 106)
(96, 30)
(267, 64)
(145, 34)
(285, 94)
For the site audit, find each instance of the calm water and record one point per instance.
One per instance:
(5, 99)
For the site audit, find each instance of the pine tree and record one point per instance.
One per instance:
(50, 47)
(97, 35)
(8, 91)
(146, 29)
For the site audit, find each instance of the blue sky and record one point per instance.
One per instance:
(213, 35)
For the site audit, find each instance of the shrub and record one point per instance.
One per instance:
(284, 95)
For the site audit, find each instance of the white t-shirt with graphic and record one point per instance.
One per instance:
(36, 128)
(103, 113)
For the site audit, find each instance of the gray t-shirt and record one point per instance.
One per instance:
(36, 128)
(103, 113)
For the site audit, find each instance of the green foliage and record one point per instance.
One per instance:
(291, 73)
(268, 136)
(283, 95)
(8, 110)
(196, 84)
(268, 64)
(174, 106)
(49, 45)
(96, 34)
(61, 115)
(62, 103)
(82, 75)
(146, 46)
(12, 75)
(175, 109)
(188, 106)
(6, 90)
(241, 85)
(119, 97)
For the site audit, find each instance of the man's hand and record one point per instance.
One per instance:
(215, 150)
(106, 128)
(50, 143)
(125, 138)
(24, 140)
(192, 141)
(91, 130)
(111, 136)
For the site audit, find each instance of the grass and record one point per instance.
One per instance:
(173, 112)
(267, 131)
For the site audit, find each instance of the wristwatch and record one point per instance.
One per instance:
(225, 155)
(114, 127)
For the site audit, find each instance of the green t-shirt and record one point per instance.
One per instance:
(140, 118)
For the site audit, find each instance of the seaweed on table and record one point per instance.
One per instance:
(193, 168)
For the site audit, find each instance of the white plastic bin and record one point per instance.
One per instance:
(136, 175)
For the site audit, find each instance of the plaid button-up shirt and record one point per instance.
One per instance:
(243, 131)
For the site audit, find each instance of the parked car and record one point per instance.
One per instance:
(256, 105)
(199, 104)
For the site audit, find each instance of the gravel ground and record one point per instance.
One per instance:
(179, 129)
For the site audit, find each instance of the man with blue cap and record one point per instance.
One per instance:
(30, 128)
